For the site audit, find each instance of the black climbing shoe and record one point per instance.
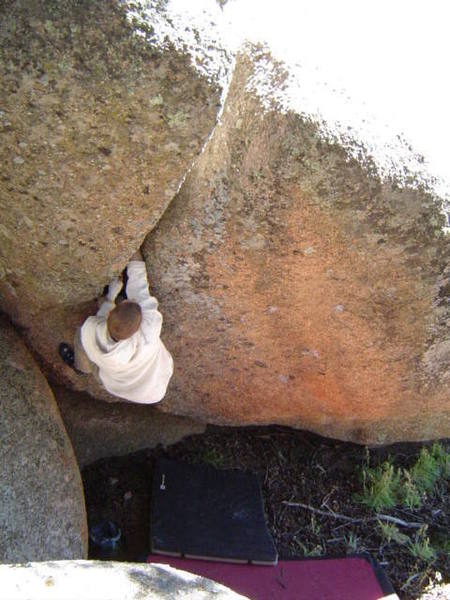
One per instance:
(67, 354)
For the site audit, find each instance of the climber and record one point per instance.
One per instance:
(121, 344)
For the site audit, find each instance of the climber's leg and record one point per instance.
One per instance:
(82, 361)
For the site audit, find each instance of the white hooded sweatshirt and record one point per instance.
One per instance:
(140, 367)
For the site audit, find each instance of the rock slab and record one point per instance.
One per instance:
(83, 580)
(297, 288)
(42, 510)
(98, 129)
(100, 430)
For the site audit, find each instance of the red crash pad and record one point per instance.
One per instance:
(350, 578)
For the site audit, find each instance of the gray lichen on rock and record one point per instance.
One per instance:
(86, 148)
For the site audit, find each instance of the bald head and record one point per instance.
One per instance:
(124, 320)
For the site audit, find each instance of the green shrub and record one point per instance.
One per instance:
(421, 548)
(442, 457)
(391, 533)
(311, 551)
(385, 486)
(353, 543)
(380, 486)
(426, 472)
(410, 495)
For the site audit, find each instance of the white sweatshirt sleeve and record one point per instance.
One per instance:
(137, 285)
(137, 290)
(105, 308)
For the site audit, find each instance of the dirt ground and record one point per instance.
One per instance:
(294, 466)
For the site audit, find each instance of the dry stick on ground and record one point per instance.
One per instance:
(350, 519)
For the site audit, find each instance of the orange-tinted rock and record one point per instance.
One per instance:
(298, 289)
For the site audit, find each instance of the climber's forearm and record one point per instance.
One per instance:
(105, 306)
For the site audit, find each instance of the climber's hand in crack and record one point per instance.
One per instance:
(114, 289)
(139, 257)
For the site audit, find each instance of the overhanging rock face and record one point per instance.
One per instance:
(98, 129)
(298, 289)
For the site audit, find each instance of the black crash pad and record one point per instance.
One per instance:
(202, 512)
